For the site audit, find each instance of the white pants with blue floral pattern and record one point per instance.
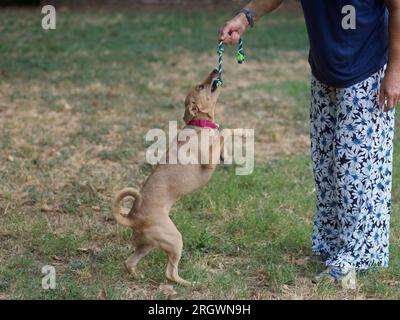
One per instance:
(351, 147)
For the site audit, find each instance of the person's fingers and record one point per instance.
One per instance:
(382, 97)
(225, 31)
(232, 38)
(390, 103)
(229, 41)
(235, 37)
(395, 101)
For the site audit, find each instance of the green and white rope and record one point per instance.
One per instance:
(240, 59)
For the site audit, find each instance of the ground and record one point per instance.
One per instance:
(75, 104)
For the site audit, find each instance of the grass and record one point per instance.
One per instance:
(75, 104)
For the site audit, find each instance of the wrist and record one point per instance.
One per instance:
(249, 16)
(243, 20)
(393, 67)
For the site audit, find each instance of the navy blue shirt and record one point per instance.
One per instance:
(341, 57)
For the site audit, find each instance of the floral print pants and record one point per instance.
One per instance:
(351, 148)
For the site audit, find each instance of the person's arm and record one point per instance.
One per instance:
(233, 29)
(390, 88)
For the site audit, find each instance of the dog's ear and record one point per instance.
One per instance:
(191, 110)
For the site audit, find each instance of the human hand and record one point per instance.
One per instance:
(389, 93)
(231, 32)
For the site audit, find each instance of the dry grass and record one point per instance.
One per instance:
(74, 107)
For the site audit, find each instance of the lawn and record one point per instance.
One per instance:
(75, 104)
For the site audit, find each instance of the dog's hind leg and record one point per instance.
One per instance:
(172, 244)
(140, 252)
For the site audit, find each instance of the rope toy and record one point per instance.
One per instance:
(240, 57)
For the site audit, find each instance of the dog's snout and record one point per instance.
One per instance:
(214, 72)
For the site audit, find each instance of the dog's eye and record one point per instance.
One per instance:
(200, 87)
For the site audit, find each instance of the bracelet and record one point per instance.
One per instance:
(249, 16)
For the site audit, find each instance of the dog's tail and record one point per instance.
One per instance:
(129, 219)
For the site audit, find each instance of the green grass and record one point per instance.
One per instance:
(75, 105)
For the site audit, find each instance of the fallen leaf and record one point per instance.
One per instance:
(66, 105)
(167, 289)
(57, 258)
(54, 153)
(89, 251)
(302, 261)
(100, 188)
(285, 288)
(46, 208)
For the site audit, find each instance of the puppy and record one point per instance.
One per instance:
(149, 215)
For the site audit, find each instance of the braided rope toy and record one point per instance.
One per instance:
(240, 57)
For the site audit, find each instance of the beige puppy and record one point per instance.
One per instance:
(149, 215)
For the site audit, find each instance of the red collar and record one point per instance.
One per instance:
(203, 123)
